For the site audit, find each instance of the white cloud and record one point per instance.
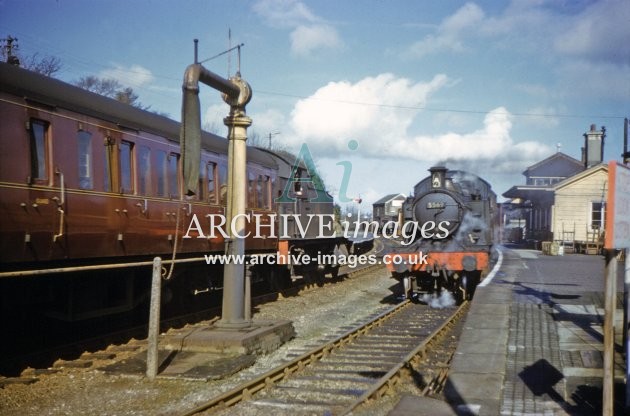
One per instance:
(309, 32)
(449, 32)
(306, 39)
(587, 80)
(542, 117)
(135, 75)
(212, 119)
(269, 121)
(378, 112)
(600, 32)
(376, 107)
(284, 13)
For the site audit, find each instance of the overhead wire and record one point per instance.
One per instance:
(90, 64)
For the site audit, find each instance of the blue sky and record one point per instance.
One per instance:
(487, 86)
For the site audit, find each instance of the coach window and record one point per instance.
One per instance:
(109, 179)
(210, 186)
(173, 186)
(126, 168)
(251, 189)
(262, 192)
(161, 169)
(84, 141)
(39, 150)
(222, 183)
(201, 191)
(144, 170)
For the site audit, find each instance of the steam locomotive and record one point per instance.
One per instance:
(462, 208)
(91, 184)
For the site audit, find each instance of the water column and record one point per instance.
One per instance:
(233, 311)
(237, 93)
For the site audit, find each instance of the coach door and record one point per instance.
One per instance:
(45, 223)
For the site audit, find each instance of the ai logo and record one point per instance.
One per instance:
(304, 158)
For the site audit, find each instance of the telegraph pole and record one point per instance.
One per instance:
(271, 134)
(9, 49)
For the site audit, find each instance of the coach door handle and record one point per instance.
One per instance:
(144, 205)
(60, 202)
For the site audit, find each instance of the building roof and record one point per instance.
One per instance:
(387, 198)
(556, 165)
(526, 192)
(581, 175)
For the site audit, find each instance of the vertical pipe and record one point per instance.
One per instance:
(608, 404)
(154, 320)
(233, 308)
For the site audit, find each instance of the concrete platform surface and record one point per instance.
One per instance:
(421, 406)
(532, 341)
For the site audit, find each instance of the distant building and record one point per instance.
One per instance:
(532, 203)
(579, 205)
(562, 196)
(387, 208)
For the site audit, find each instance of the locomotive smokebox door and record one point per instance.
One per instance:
(438, 174)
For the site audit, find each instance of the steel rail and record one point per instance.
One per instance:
(245, 391)
(139, 330)
(389, 380)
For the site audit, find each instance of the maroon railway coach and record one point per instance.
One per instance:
(86, 180)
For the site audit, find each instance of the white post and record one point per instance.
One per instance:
(154, 319)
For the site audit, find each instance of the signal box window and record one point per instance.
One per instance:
(38, 144)
(144, 170)
(86, 180)
(126, 173)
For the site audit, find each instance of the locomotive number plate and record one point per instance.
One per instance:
(435, 205)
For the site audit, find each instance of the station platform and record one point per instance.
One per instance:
(532, 342)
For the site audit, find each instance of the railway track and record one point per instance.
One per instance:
(68, 352)
(335, 378)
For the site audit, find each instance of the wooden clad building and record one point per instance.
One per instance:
(579, 205)
(563, 199)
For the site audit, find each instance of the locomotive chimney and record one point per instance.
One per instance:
(594, 146)
(438, 175)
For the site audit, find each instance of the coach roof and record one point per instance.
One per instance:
(58, 94)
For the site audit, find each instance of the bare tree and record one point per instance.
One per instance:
(46, 65)
(111, 88)
(107, 87)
